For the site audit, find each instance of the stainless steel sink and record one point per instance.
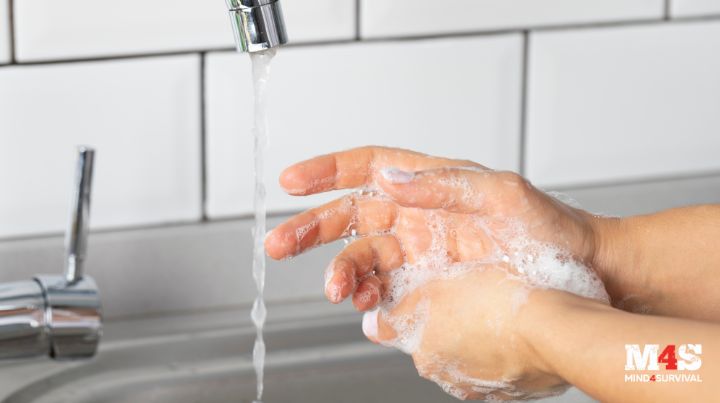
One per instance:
(316, 354)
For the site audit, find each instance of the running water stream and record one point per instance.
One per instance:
(261, 72)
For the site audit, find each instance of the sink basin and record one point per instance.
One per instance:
(203, 358)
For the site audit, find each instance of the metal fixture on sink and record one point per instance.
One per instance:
(57, 315)
(257, 24)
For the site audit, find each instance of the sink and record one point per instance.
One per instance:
(315, 354)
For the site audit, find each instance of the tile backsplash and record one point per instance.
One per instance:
(142, 115)
(47, 29)
(617, 104)
(615, 101)
(4, 31)
(324, 99)
(569, 93)
(686, 8)
(383, 18)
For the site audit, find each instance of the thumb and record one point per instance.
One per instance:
(376, 328)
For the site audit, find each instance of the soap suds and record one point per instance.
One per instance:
(536, 264)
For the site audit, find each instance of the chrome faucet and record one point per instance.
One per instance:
(57, 316)
(257, 24)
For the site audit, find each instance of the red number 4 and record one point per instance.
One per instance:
(667, 357)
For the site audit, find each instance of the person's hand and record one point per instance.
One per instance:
(471, 335)
(449, 250)
(458, 192)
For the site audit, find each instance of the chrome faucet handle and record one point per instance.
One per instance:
(77, 231)
(72, 303)
(257, 24)
(56, 315)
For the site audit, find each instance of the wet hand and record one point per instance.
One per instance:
(449, 251)
(458, 191)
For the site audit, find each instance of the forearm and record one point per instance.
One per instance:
(666, 263)
(584, 342)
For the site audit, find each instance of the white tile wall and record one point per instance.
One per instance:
(48, 29)
(619, 103)
(4, 32)
(381, 18)
(457, 98)
(141, 115)
(312, 20)
(683, 8)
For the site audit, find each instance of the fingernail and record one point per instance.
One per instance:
(396, 175)
(328, 274)
(370, 324)
(268, 234)
(332, 290)
(333, 293)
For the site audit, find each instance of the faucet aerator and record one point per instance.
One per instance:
(258, 25)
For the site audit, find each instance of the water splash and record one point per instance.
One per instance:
(261, 74)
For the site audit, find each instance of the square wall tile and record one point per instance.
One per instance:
(457, 98)
(688, 8)
(4, 31)
(622, 103)
(142, 116)
(319, 20)
(383, 18)
(49, 29)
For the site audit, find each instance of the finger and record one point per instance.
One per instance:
(376, 328)
(358, 260)
(458, 190)
(330, 222)
(370, 325)
(367, 294)
(354, 168)
(340, 281)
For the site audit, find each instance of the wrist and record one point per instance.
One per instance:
(612, 250)
(548, 322)
(606, 232)
(539, 315)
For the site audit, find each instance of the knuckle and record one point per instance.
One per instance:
(513, 179)
(514, 184)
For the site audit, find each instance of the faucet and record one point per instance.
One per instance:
(57, 315)
(257, 24)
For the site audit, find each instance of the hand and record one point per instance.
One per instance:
(449, 250)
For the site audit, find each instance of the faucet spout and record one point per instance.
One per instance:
(257, 24)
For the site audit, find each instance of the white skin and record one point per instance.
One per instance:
(486, 331)
(395, 230)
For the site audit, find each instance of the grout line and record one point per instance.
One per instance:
(203, 139)
(540, 28)
(627, 23)
(11, 29)
(700, 175)
(358, 19)
(667, 10)
(131, 228)
(524, 78)
(550, 28)
(118, 57)
(390, 39)
(146, 227)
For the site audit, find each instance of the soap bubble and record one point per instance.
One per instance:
(536, 264)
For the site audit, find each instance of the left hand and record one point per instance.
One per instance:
(463, 330)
